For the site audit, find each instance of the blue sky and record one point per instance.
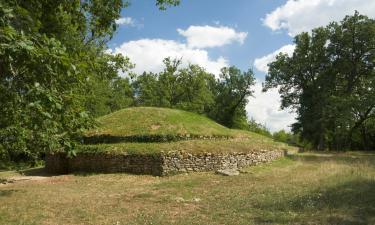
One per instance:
(242, 15)
(217, 33)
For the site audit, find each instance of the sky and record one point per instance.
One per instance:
(217, 33)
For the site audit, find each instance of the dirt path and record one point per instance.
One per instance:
(36, 174)
(16, 179)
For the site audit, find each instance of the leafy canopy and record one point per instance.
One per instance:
(52, 53)
(330, 82)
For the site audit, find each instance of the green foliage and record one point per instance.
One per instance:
(282, 136)
(105, 96)
(231, 92)
(329, 81)
(187, 88)
(54, 67)
(258, 128)
(163, 4)
(193, 89)
(290, 138)
(40, 111)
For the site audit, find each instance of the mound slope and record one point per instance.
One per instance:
(159, 122)
(122, 130)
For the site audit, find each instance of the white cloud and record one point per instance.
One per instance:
(261, 64)
(125, 21)
(265, 109)
(148, 55)
(209, 36)
(297, 16)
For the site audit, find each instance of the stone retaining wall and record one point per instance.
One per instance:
(105, 163)
(184, 162)
(159, 164)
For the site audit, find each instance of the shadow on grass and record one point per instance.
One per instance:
(352, 202)
(86, 174)
(7, 193)
(36, 172)
(349, 202)
(348, 158)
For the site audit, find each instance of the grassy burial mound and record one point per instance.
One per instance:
(150, 124)
(161, 141)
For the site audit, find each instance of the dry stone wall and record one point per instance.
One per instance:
(105, 163)
(179, 162)
(157, 164)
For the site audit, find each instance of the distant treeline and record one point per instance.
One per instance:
(190, 88)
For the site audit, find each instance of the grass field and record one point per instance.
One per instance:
(308, 188)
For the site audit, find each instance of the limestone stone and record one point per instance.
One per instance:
(228, 172)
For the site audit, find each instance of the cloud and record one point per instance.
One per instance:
(209, 36)
(148, 55)
(297, 16)
(265, 109)
(261, 64)
(125, 21)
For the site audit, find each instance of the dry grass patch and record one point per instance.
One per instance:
(301, 189)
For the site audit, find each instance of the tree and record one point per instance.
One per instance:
(352, 45)
(193, 89)
(163, 4)
(50, 54)
(146, 90)
(105, 91)
(105, 96)
(258, 128)
(231, 93)
(188, 88)
(329, 82)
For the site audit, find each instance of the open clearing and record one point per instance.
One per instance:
(308, 188)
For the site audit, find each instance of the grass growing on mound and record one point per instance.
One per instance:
(148, 122)
(253, 143)
(157, 121)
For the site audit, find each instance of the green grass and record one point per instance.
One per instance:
(157, 121)
(149, 121)
(308, 188)
(7, 174)
(253, 143)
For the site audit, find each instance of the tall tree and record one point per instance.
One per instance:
(352, 46)
(329, 81)
(50, 51)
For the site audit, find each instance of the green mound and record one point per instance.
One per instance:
(151, 121)
(148, 130)
(251, 144)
